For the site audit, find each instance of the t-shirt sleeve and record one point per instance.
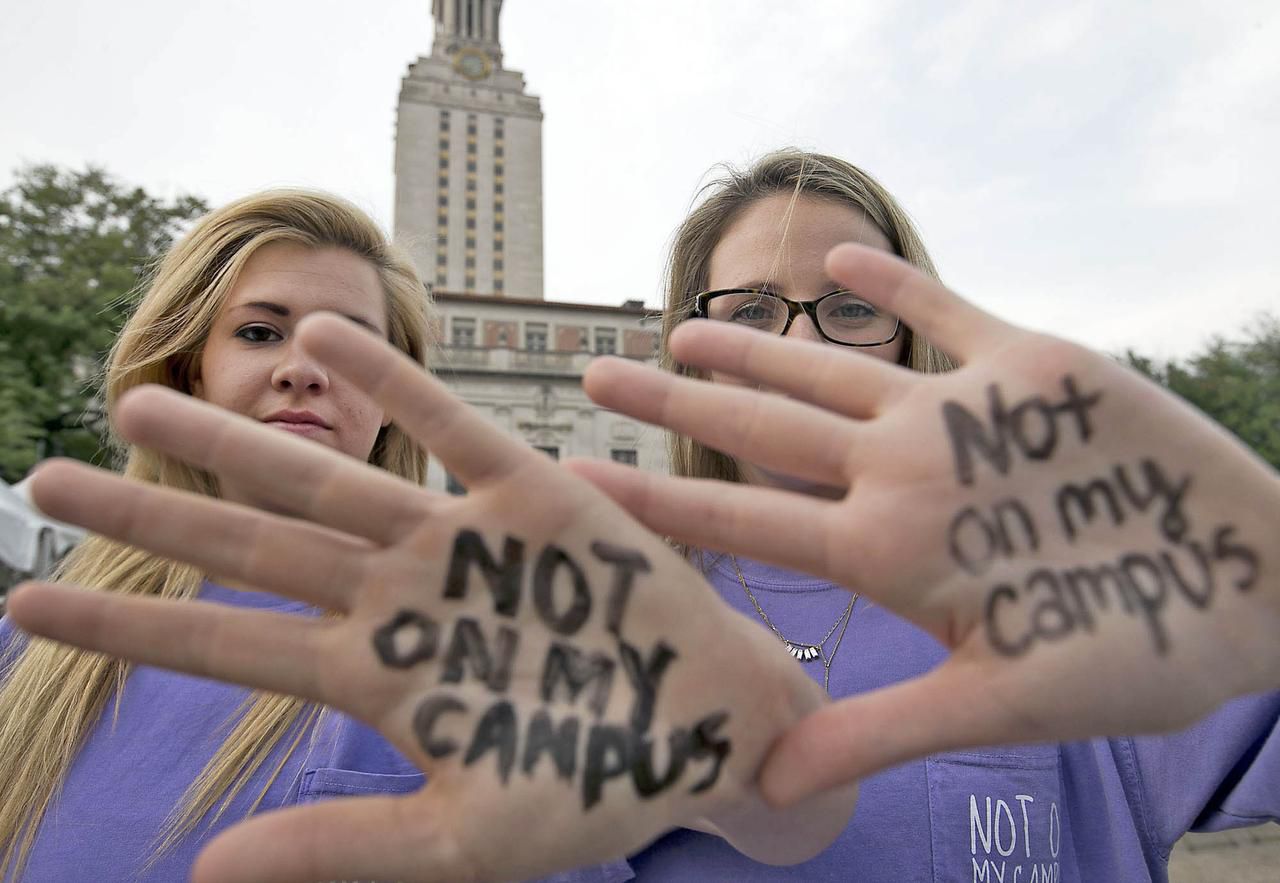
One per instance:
(613, 872)
(1223, 772)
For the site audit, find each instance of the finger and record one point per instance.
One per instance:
(238, 543)
(837, 378)
(768, 430)
(196, 637)
(279, 471)
(942, 317)
(951, 707)
(736, 518)
(357, 838)
(472, 448)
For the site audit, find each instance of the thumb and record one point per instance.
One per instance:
(360, 838)
(951, 707)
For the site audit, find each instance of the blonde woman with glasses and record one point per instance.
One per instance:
(1002, 554)
(970, 535)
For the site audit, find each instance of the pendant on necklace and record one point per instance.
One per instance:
(804, 652)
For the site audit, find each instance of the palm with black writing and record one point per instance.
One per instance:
(571, 688)
(1099, 558)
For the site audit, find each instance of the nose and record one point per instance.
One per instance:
(299, 372)
(802, 328)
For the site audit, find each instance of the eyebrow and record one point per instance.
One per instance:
(773, 288)
(284, 312)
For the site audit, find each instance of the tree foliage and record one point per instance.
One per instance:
(1236, 382)
(74, 247)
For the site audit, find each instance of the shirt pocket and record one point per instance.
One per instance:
(999, 817)
(328, 782)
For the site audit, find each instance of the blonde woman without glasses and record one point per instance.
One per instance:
(98, 780)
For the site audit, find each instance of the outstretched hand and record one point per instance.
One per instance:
(1098, 556)
(571, 688)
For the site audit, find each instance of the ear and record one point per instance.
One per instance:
(386, 421)
(190, 366)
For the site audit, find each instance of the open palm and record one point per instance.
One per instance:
(1096, 555)
(544, 659)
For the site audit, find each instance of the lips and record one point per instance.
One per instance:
(304, 423)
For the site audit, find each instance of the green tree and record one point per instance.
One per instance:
(74, 247)
(1236, 382)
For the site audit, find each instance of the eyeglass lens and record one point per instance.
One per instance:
(842, 316)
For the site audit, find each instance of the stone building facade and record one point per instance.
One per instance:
(520, 363)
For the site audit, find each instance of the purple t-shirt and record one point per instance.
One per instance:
(1103, 810)
(136, 765)
(1098, 811)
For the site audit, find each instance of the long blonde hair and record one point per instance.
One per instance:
(53, 694)
(724, 199)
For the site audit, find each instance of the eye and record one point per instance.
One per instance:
(849, 308)
(752, 311)
(258, 334)
(759, 310)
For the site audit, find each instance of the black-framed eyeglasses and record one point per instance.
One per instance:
(840, 316)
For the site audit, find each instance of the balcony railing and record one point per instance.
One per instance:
(503, 360)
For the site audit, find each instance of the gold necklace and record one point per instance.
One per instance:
(798, 650)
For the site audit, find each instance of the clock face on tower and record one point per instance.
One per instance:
(472, 63)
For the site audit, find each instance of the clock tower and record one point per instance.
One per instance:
(468, 161)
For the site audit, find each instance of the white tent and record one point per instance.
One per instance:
(29, 541)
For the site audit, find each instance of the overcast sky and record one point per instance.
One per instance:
(1108, 171)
